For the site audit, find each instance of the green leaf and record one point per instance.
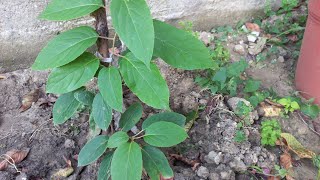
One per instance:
(105, 167)
(83, 96)
(127, 162)
(133, 23)
(173, 117)
(64, 108)
(73, 75)
(295, 105)
(93, 150)
(180, 49)
(117, 139)
(221, 76)
(156, 163)
(70, 9)
(252, 86)
(110, 85)
(310, 110)
(101, 112)
(164, 134)
(131, 116)
(65, 48)
(147, 84)
(237, 68)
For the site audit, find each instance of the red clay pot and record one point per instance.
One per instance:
(308, 68)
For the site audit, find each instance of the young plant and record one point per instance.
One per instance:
(310, 109)
(125, 156)
(290, 105)
(270, 132)
(72, 67)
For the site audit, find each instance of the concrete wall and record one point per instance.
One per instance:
(22, 35)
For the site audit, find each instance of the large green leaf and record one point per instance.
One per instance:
(127, 162)
(164, 134)
(133, 23)
(173, 117)
(117, 139)
(110, 85)
(156, 163)
(92, 150)
(104, 172)
(180, 49)
(147, 84)
(64, 108)
(101, 112)
(84, 96)
(73, 75)
(70, 9)
(252, 85)
(131, 116)
(65, 48)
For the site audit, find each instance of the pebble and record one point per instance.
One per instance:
(238, 165)
(281, 59)
(69, 143)
(22, 176)
(252, 38)
(219, 158)
(214, 176)
(239, 49)
(210, 157)
(225, 175)
(255, 33)
(203, 172)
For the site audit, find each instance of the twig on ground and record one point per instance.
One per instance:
(5, 156)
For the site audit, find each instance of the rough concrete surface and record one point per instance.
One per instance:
(22, 35)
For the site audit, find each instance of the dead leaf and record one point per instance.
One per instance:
(295, 146)
(3, 77)
(256, 48)
(269, 110)
(28, 99)
(193, 163)
(13, 156)
(253, 27)
(293, 38)
(63, 173)
(286, 161)
(274, 178)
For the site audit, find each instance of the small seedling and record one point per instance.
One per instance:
(290, 105)
(280, 171)
(240, 136)
(270, 132)
(310, 109)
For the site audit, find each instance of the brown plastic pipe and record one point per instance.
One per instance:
(308, 68)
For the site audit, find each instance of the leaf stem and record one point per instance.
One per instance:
(137, 134)
(107, 38)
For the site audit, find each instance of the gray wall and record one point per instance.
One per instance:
(22, 35)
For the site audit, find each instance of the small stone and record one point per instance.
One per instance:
(238, 165)
(203, 172)
(281, 59)
(239, 49)
(214, 176)
(210, 158)
(233, 102)
(219, 158)
(282, 51)
(206, 37)
(69, 143)
(252, 38)
(255, 33)
(22, 176)
(225, 175)
(203, 101)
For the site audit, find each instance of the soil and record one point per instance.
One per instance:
(210, 152)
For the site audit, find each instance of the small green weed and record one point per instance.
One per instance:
(290, 105)
(240, 136)
(270, 132)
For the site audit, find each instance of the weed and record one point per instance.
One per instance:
(270, 132)
(290, 105)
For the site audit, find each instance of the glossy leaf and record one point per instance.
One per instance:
(70, 9)
(147, 84)
(131, 116)
(64, 108)
(180, 49)
(117, 139)
(110, 85)
(133, 23)
(65, 48)
(164, 134)
(92, 150)
(127, 162)
(85, 97)
(101, 112)
(156, 163)
(173, 117)
(73, 75)
(104, 172)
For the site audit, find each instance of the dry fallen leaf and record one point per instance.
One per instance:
(13, 156)
(274, 178)
(28, 99)
(63, 173)
(253, 27)
(269, 110)
(286, 163)
(295, 146)
(3, 77)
